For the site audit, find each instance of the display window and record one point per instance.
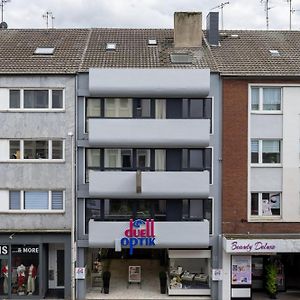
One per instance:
(24, 270)
(4, 277)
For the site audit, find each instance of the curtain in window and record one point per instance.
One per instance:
(160, 109)
(271, 146)
(160, 160)
(272, 98)
(93, 108)
(254, 146)
(112, 158)
(14, 200)
(255, 98)
(36, 200)
(93, 158)
(57, 200)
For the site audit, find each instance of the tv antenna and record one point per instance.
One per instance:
(2, 3)
(221, 6)
(48, 15)
(267, 8)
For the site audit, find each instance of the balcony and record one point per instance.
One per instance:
(153, 185)
(167, 234)
(164, 133)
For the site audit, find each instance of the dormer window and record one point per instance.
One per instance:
(274, 53)
(111, 46)
(44, 51)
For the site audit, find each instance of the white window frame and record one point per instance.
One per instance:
(35, 211)
(49, 109)
(260, 216)
(260, 153)
(260, 109)
(49, 159)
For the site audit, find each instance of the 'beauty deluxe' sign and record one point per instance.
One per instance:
(261, 245)
(140, 233)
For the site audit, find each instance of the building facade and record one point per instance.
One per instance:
(148, 168)
(37, 113)
(260, 161)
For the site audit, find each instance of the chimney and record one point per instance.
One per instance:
(212, 27)
(187, 29)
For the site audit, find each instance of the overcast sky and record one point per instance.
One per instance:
(238, 14)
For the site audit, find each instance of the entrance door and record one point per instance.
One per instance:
(4, 282)
(60, 258)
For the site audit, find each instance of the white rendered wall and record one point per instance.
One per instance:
(4, 99)
(290, 154)
(226, 286)
(4, 200)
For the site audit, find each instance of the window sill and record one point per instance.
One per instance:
(266, 112)
(262, 165)
(34, 110)
(269, 219)
(62, 212)
(39, 161)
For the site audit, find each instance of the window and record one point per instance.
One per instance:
(266, 99)
(197, 108)
(197, 209)
(118, 209)
(44, 50)
(92, 110)
(118, 108)
(92, 161)
(143, 159)
(265, 204)
(36, 149)
(118, 159)
(143, 108)
(36, 200)
(265, 151)
(92, 210)
(36, 99)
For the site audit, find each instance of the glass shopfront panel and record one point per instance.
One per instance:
(25, 270)
(4, 276)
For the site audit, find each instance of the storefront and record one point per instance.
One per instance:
(178, 249)
(246, 263)
(27, 268)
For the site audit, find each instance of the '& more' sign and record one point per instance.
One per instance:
(139, 233)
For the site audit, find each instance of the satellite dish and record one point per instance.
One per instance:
(3, 25)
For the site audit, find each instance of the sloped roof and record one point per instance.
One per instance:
(246, 53)
(17, 48)
(132, 50)
(77, 50)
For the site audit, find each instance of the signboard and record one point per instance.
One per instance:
(139, 233)
(134, 274)
(261, 245)
(217, 274)
(241, 270)
(79, 273)
(34, 249)
(3, 249)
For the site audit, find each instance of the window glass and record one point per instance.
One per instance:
(143, 108)
(57, 149)
(57, 200)
(35, 149)
(36, 200)
(142, 159)
(196, 159)
(118, 108)
(93, 107)
(112, 158)
(271, 98)
(14, 99)
(126, 158)
(14, 200)
(254, 204)
(197, 108)
(4, 277)
(255, 98)
(160, 209)
(25, 270)
(160, 160)
(125, 108)
(196, 209)
(118, 209)
(254, 151)
(271, 151)
(92, 210)
(36, 99)
(57, 99)
(14, 149)
(93, 158)
(270, 204)
(144, 209)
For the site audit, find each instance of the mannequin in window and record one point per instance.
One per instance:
(21, 278)
(4, 273)
(31, 279)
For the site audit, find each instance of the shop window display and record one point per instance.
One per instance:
(24, 264)
(4, 277)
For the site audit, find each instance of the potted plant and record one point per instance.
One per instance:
(271, 280)
(106, 279)
(163, 282)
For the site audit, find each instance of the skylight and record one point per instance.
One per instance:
(44, 50)
(152, 42)
(181, 58)
(274, 52)
(111, 46)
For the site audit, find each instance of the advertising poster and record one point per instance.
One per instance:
(134, 274)
(241, 270)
